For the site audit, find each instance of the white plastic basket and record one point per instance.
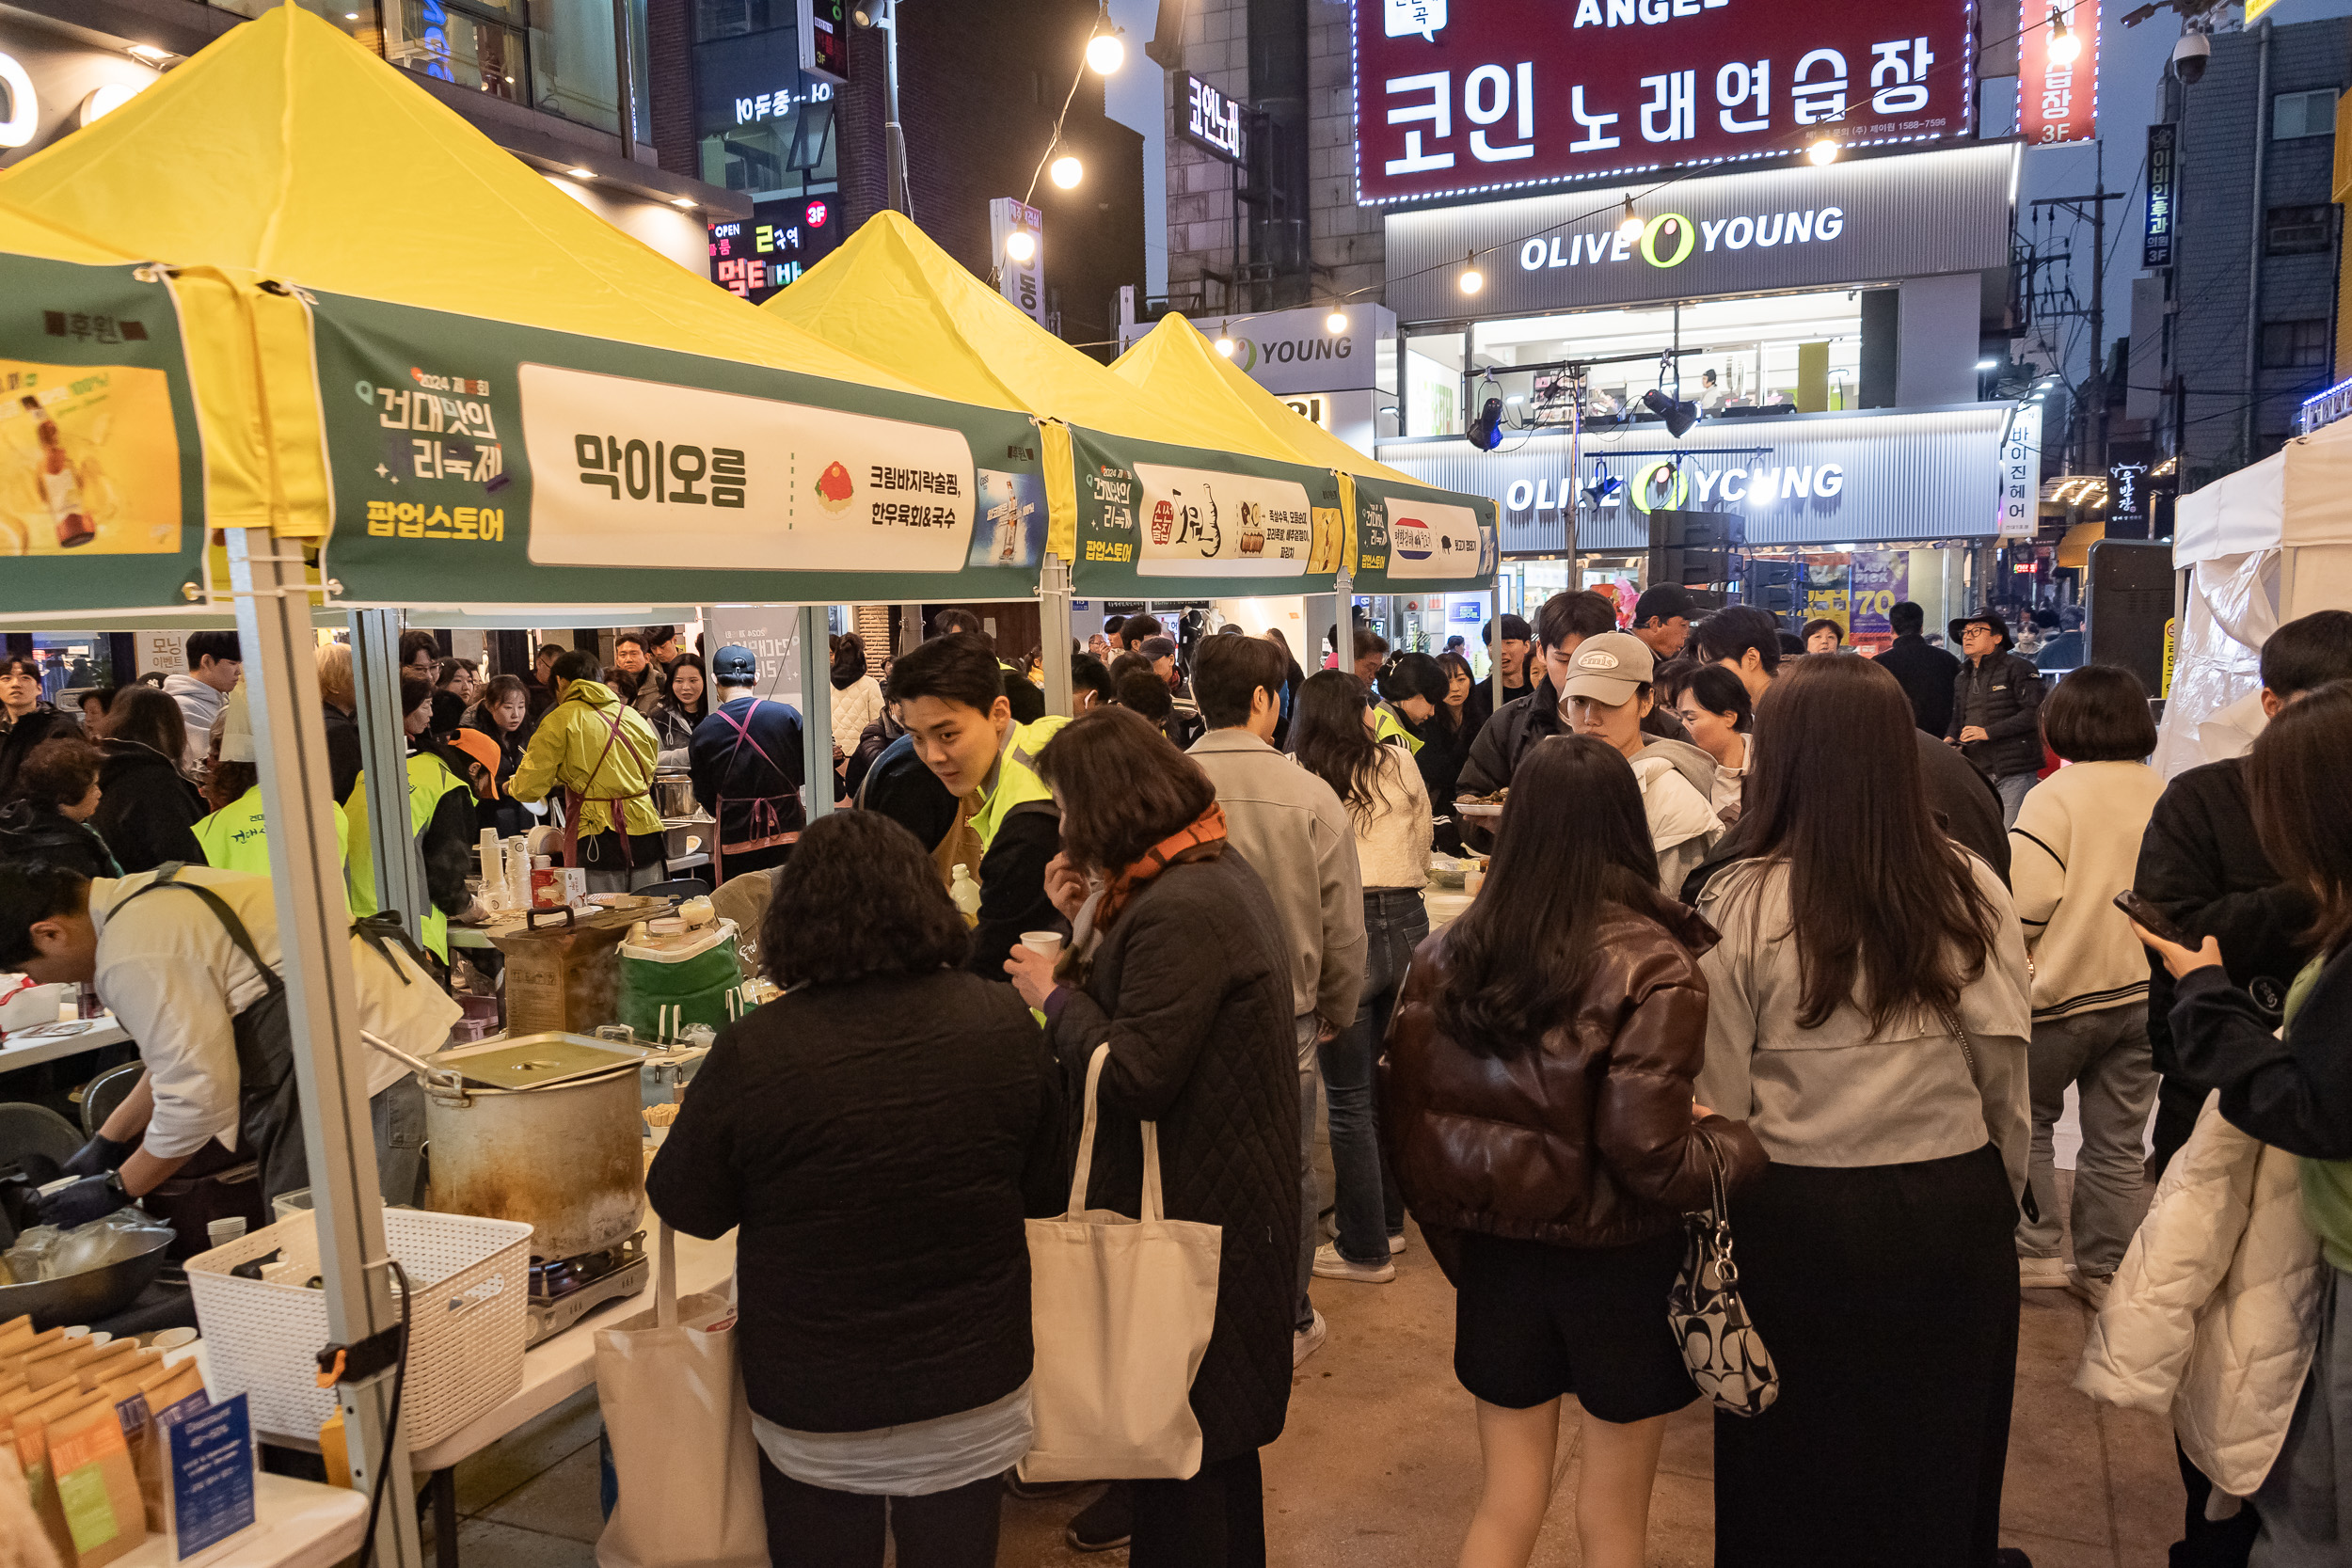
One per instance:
(470, 1279)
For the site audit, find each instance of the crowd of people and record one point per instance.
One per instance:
(1823, 936)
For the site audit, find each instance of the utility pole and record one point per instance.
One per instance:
(2093, 207)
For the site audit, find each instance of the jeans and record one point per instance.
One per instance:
(2305, 1503)
(1369, 1207)
(1308, 1206)
(2011, 788)
(2105, 1053)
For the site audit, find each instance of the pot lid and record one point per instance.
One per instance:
(538, 1061)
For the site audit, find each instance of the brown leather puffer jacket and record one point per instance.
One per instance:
(1587, 1140)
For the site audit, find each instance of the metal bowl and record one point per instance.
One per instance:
(86, 1297)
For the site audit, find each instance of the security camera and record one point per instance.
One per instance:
(2189, 56)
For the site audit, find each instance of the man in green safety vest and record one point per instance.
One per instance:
(950, 694)
(232, 837)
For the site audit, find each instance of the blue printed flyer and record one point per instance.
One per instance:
(211, 1476)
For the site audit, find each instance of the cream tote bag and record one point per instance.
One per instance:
(1122, 1309)
(681, 1432)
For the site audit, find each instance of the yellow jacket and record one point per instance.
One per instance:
(575, 749)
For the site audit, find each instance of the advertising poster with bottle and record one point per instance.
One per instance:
(1827, 593)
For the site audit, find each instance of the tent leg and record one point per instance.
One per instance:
(910, 628)
(816, 712)
(323, 1000)
(1052, 606)
(384, 753)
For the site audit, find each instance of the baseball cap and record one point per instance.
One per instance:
(735, 664)
(1609, 668)
(482, 750)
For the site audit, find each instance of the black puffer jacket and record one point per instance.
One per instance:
(1191, 987)
(2011, 690)
(18, 740)
(880, 1144)
(146, 812)
(1499, 743)
(40, 832)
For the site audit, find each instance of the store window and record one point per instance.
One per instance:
(557, 55)
(2295, 114)
(482, 44)
(769, 132)
(2298, 230)
(1433, 384)
(2295, 344)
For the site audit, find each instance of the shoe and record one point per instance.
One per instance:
(2091, 1287)
(2041, 1273)
(1397, 1243)
(1331, 1229)
(1106, 1523)
(1035, 1491)
(1306, 1341)
(1330, 1265)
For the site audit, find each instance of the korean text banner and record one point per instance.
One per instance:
(1453, 100)
(101, 471)
(1409, 539)
(1175, 522)
(2057, 99)
(480, 463)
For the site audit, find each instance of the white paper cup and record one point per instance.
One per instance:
(1047, 942)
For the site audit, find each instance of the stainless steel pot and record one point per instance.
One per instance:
(545, 1130)
(88, 1296)
(674, 796)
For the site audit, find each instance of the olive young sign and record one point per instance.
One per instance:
(480, 463)
(1498, 95)
(1871, 220)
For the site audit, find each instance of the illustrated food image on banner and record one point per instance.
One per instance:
(98, 454)
(1149, 516)
(462, 451)
(1258, 528)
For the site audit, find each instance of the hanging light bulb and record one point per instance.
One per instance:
(1224, 341)
(1630, 226)
(1336, 321)
(1020, 246)
(1472, 279)
(2064, 47)
(1105, 54)
(1067, 171)
(1821, 153)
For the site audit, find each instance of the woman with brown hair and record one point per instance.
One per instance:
(146, 809)
(1867, 1017)
(1178, 962)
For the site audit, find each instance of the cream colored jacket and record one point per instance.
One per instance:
(2214, 1316)
(2075, 846)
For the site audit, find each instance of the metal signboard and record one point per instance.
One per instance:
(1212, 122)
(2058, 99)
(1464, 100)
(1023, 281)
(2164, 185)
(2018, 513)
(824, 28)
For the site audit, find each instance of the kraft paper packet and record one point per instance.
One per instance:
(13, 1352)
(96, 1484)
(150, 1451)
(67, 1365)
(38, 1364)
(124, 1371)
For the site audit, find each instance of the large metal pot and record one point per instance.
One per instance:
(673, 796)
(545, 1130)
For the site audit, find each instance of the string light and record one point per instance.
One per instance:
(1472, 279)
(1630, 226)
(1067, 171)
(1020, 246)
(2064, 47)
(1104, 53)
(1336, 321)
(1224, 340)
(1821, 153)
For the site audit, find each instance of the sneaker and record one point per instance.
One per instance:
(1397, 1243)
(1330, 1265)
(1331, 1229)
(2041, 1273)
(1306, 1341)
(1106, 1523)
(2091, 1287)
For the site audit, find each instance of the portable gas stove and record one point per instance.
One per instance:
(565, 1289)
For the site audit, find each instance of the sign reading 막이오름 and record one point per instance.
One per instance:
(1465, 100)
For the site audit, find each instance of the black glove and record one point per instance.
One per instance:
(97, 1156)
(92, 1197)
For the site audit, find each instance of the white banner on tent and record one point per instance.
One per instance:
(1022, 280)
(1203, 524)
(646, 473)
(1429, 540)
(2018, 513)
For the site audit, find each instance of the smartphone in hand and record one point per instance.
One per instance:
(2153, 920)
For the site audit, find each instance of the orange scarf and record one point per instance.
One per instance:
(1202, 839)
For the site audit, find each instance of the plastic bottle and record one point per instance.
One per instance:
(964, 893)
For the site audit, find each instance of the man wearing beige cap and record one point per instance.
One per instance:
(1606, 694)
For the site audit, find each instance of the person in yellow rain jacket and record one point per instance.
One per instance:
(600, 753)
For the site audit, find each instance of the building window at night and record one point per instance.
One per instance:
(766, 130)
(473, 46)
(2295, 114)
(2294, 345)
(2298, 230)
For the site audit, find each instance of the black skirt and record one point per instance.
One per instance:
(1887, 1295)
(1533, 1321)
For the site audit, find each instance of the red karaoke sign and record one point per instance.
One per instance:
(1470, 98)
(2057, 71)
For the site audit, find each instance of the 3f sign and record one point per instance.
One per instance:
(1411, 18)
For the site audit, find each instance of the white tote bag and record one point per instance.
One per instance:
(1122, 1309)
(681, 1434)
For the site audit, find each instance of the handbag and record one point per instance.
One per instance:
(1719, 1344)
(1121, 1311)
(681, 1433)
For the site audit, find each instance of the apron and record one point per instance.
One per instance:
(765, 821)
(616, 804)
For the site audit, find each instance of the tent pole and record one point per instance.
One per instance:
(816, 711)
(910, 628)
(1053, 605)
(384, 753)
(273, 600)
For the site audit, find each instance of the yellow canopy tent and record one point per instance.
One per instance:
(890, 295)
(1447, 541)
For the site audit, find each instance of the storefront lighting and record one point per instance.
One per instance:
(2064, 47)
(1105, 54)
(1629, 227)
(582, 173)
(1336, 321)
(1224, 342)
(1020, 246)
(148, 52)
(1472, 279)
(1821, 153)
(1988, 364)
(683, 202)
(353, 16)
(1067, 171)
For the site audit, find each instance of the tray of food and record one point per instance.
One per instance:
(1482, 805)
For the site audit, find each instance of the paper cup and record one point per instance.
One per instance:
(1047, 942)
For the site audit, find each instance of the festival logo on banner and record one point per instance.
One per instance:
(1200, 523)
(89, 461)
(643, 473)
(1427, 540)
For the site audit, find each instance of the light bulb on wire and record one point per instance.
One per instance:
(1105, 54)
(1630, 226)
(1020, 246)
(1224, 341)
(1472, 279)
(1336, 321)
(2064, 47)
(1067, 171)
(1823, 152)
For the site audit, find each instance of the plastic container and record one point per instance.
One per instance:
(471, 1278)
(964, 893)
(672, 978)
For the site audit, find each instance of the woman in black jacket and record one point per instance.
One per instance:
(47, 812)
(504, 715)
(878, 1133)
(1180, 963)
(146, 810)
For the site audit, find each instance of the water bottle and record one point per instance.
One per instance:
(965, 893)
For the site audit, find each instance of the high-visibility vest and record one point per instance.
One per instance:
(429, 780)
(1017, 783)
(234, 838)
